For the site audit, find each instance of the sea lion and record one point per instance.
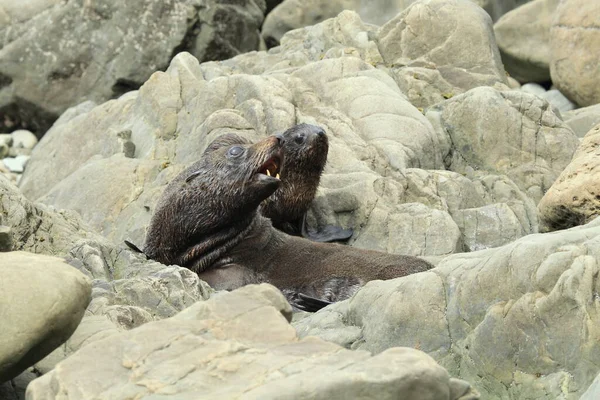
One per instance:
(305, 148)
(207, 220)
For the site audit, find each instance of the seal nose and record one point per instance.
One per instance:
(280, 139)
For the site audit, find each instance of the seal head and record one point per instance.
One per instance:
(305, 147)
(207, 208)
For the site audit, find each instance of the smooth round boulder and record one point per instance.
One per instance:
(42, 300)
(575, 51)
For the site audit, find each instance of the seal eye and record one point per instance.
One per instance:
(299, 139)
(235, 151)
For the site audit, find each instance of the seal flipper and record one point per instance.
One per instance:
(134, 247)
(310, 304)
(329, 233)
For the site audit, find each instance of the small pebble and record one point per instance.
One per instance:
(16, 164)
(24, 139)
(533, 88)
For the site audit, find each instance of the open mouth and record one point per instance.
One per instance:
(272, 167)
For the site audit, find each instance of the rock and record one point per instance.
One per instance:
(523, 36)
(488, 316)
(15, 388)
(3, 150)
(75, 51)
(23, 139)
(42, 302)
(574, 199)
(294, 14)
(431, 33)
(482, 225)
(593, 391)
(16, 164)
(425, 47)
(558, 100)
(497, 8)
(491, 122)
(513, 83)
(533, 88)
(583, 119)
(216, 348)
(575, 50)
(6, 138)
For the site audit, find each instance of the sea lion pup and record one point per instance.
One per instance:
(208, 221)
(305, 148)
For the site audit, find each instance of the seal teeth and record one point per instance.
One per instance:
(268, 172)
(277, 176)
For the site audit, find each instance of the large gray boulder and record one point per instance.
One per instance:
(42, 300)
(523, 36)
(383, 175)
(54, 55)
(424, 46)
(520, 321)
(575, 50)
(240, 345)
(506, 132)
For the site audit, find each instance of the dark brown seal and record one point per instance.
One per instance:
(209, 207)
(208, 220)
(305, 148)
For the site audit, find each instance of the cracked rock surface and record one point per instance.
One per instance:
(56, 54)
(215, 349)
(520, 321)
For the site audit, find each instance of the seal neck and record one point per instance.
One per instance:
(203, 255)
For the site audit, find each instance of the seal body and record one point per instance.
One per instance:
(208, 220)
(208, 208)
(326, 271)
(305, 147)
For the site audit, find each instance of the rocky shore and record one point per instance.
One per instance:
(464, 132)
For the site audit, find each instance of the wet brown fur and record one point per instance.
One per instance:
(207, 220)
(305, 157)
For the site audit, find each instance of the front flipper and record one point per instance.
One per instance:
(310, 304)
(134, 247)
(329, 233)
